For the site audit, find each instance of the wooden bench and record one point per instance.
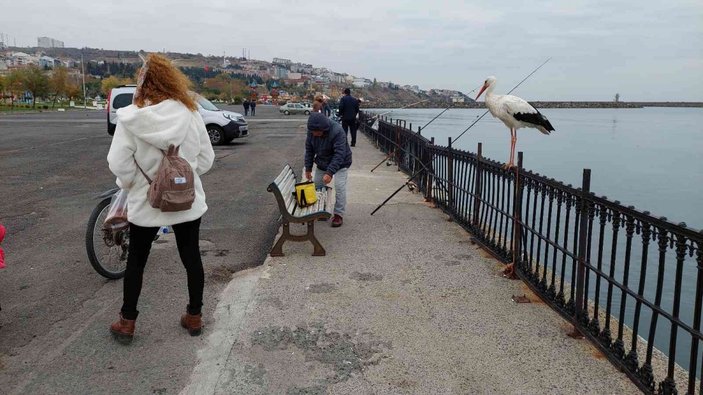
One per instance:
(282, 188)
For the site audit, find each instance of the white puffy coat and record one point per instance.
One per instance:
(141, 134)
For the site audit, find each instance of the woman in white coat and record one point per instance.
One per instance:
(163, 113)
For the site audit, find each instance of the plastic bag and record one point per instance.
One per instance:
(116, 219)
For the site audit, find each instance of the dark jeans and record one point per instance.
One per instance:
(187, 240)
(347, 125)
(253, 111)
(246, 111)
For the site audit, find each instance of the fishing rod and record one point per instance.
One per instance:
(396, 191)
(388, 112)
(509, 92)
(436, 116)
(421, 128)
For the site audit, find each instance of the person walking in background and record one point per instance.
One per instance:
(163, 113)
(246, 107)
(326, 147)
(252, 106)
(348, 110)
(318, 103)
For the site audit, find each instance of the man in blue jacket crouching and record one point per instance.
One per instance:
(326, 146)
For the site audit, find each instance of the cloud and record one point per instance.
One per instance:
(597, 45)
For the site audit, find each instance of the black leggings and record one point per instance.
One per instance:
(140, 239)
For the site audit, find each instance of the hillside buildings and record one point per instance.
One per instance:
(48, 42)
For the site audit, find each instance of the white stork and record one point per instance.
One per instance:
(515, 113)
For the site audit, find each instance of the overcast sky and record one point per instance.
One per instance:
(644, 50)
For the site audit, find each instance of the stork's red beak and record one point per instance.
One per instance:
(483, 88)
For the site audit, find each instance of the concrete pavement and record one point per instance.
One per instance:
(402, 303)
(56, 309)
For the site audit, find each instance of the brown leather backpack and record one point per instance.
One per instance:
(173, 187)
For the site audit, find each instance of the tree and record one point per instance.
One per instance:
(73, 91)
(58, 83)
(14, 85)
(2, 89)
(92, 86)
(617, 98)
(110, 82)
(36, 82)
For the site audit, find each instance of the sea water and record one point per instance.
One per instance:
(651, 158)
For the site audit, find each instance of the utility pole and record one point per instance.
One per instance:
(85, 99)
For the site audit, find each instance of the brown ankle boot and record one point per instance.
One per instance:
(123, 330)
(193, 323)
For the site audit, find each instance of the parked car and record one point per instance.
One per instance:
(295, 108)
(222, 126)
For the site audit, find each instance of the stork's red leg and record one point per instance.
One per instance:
(513, 139)
(509, 163)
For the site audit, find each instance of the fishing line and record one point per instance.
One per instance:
(509, 92)
(445, 110)
(432, 120)
(395, 109)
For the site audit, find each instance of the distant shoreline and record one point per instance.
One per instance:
(560, 104)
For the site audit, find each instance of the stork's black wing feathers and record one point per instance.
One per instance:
(535, 118)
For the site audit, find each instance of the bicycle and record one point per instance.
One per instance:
(107, 249)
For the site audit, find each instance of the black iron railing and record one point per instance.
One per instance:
(630, 282)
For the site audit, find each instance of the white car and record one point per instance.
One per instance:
(222, 126)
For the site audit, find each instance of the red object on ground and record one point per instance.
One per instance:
(2, 253)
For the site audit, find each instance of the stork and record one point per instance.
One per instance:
(515, 113)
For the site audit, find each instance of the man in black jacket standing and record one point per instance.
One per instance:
(348, 109)
(326, 146)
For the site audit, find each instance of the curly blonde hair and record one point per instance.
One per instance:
(163, 81)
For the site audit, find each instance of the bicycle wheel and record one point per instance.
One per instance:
(107, 251)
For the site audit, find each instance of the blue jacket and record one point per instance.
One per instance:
(329, 152)
(348, 107)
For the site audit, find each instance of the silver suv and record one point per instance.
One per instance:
(222, 126)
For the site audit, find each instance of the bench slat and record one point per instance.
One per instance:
(321, 199)
(287, 182)
(315, 208)
(287, 189)
(286, 170)
(291, 206)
